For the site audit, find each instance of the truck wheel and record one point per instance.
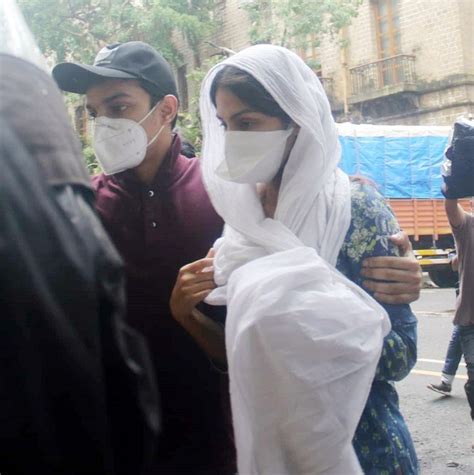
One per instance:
(444, 278)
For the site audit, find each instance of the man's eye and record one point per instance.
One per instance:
(118, 109)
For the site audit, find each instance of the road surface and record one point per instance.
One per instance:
(441, 427)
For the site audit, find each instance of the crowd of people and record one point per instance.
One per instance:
(243, 312)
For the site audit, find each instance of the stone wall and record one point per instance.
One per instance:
(439, 33)
(431, 30)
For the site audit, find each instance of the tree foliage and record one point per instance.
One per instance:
(190, 122)
(77, 29)
(291, 22)
(74, 30)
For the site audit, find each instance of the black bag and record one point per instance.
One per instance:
(458, 169)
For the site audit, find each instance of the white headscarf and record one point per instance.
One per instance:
(314, 198)
(15, 36)
(298, 333)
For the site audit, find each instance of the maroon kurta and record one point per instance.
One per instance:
(158, 228)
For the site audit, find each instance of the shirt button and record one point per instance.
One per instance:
(151, 193)
(153, 224)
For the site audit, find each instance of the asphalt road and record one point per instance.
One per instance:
(440, 426)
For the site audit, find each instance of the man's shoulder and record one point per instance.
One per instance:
(186, 174)
(99, 181)
(465, 230)
(188, 163)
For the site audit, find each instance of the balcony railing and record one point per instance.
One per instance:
(375, 77)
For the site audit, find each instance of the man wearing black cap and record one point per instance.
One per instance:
(154, 206)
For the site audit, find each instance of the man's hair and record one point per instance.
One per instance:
(155, 98)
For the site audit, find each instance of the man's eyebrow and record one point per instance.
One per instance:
(118, 95)
(109, 99)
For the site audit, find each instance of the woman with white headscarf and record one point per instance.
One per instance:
(303, 340)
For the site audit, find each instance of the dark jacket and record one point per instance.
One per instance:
(71, 372)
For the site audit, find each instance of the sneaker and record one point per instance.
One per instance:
(442, 388)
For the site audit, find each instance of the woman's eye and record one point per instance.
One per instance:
(245, 125)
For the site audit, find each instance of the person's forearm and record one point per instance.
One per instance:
(399, 350)
(455, 213)
(208, 334)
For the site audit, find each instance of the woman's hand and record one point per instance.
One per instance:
(402, 275)
(194, 283)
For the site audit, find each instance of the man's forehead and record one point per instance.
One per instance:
(108, 89)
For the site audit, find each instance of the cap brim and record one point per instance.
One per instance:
(73, 77)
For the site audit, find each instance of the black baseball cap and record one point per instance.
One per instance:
(132, 60)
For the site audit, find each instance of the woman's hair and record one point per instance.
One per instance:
(249, 91)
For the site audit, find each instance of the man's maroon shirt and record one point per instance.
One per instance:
(158, 228)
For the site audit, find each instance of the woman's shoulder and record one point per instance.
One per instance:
(364, 194)
(369, 206)
(372, 222)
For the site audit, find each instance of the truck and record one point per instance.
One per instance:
(405, 164)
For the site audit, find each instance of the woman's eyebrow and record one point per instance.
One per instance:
(238, 114)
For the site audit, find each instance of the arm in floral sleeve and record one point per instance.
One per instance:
(399, 350)
(372, 224)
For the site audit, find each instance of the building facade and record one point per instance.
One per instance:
(405, 61)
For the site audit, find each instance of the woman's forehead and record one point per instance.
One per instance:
(226, 100)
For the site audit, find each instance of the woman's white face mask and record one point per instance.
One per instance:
(121, 144)
(253, 157)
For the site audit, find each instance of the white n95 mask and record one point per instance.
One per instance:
(120, 144)
(253, 157)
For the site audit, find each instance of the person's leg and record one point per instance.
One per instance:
(451, 363)
(453, 357)
(467, 344)
(469, 388)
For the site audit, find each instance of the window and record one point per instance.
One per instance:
(387, 24)
(183, 88)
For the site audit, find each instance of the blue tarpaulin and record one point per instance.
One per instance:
(404, 161)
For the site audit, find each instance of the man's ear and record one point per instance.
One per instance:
(169, 108)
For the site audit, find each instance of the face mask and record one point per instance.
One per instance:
(120, 144)
(253, 157)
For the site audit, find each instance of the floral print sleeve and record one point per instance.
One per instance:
(372, 223)
(382, 441)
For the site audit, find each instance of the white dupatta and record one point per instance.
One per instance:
(302, 341)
